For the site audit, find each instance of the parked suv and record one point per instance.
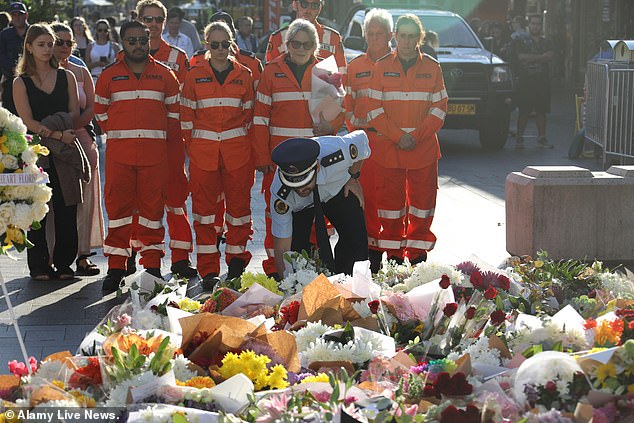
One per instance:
(479, 83)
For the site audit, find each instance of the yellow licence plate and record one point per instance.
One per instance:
(461, 109)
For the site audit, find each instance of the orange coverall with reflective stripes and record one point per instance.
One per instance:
(215, 120)
(140, 117)
(281, 112)
(416, 103)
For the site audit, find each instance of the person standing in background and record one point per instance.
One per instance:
(245, 38)
(11, 45)
(5, 20)
(188, 28)
(174, 36)
(103, 51)
(82, 35)
(90, 228)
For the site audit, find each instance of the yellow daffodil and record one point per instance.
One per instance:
(605, 371)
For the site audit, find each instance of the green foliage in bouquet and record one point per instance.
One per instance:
(133, 363)
(248, 279)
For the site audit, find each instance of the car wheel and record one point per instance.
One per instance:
(494, 132)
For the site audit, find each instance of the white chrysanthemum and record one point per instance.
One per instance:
(181, 371)
(362, 308)
(53, 370)
(119, 395)
(31, 168)
(13, 123)
(295, 282)
(7, 212)
(426, 272)
(42, 193)
(9, 162)
(29, 156)
(542, 368)
(146, 320)
(19, 192)
(38, 211)
(618, 284)
(308, 334)
(357, 351)
(23, 216)
(480, 353)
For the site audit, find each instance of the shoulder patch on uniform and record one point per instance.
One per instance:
(199, 52)
(247, 53)
(281, 207)
(333, 158)
(430, 58)
(120, 78)
(354, 151)
(283, 192)
(203, 80)
(392, 74)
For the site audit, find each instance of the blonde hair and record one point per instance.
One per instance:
(411, 19)
(381, 16)
(140, 7)
(26, 64)
(219, 26)
(302, 25)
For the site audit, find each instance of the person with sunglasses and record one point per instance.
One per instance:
(407, 106)
(90, 229)
(153, 13)
(281, 110)
(136, 103)
(216, 111)
(103, 51)
(329, 39)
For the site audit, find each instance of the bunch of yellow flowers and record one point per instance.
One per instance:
(254, 366)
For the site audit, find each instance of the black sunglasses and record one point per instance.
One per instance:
(149, 19)
(103, 29)
(68, 43)
(315, 5)
(140, 40)
(308, 45)
(215, 45)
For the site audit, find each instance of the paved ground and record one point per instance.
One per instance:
(469, 220)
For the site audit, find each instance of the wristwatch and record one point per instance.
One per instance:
(355, 175)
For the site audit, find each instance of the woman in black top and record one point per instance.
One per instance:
(40, 90)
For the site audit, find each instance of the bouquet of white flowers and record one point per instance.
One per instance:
(23, 190)
(327, 92)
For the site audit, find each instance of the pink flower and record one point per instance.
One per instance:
(403, 309)
(349, 399)
(409, 411)
(123, 321)
(275, 407)
(18, 368)
(322, 396)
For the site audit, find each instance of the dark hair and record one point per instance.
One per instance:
(535, 17)
(132, 24)
(175, 12)
(26, 64)
(102, 22)
(61, 27)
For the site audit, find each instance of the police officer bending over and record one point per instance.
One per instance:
(316, 178)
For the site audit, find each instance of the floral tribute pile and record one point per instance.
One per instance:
(536, 340)
(23, 190)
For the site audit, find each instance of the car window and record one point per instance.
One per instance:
(452, 31)
(356, 30)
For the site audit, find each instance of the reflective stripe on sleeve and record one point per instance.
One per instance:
(172, 99)
(440, 114)
(179, 211)
(235, 249)
(180, 245)
(373, 114)
(259, 120)
(187, 125)
(421, 245)
(188, 103)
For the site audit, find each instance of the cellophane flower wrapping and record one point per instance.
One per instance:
(327, 91)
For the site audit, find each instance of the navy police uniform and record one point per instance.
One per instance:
(292, 215)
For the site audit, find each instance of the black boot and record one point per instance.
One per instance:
(275, 276)
(236, 268)
(419, 259)
(113, 280)
(375, 260)
(154, 271)
(131, 264)
(210, 281)
(184, 269)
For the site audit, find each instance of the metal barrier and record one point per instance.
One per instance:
(609, 111)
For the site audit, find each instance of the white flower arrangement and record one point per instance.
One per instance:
(118, 396)
(618, 284)
(480, 353)
(308, 334)
(181, 371)
(23, 193)
(427, 272)
(301, 269)
(547, 335)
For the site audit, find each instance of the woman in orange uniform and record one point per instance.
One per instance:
(281, 111)
(216, 109)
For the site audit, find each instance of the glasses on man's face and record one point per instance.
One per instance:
(149, 19)
(308, 45)
(215, 45)
(315, 5)
(60, 43)
(137, 40)
(103, 29)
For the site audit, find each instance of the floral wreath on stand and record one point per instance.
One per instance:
(23, 191)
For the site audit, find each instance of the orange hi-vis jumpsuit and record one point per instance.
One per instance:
(215, 119)
(416, 103)
(140, 117)
(358, 84)
(248, 59)
(330, 40)
(281, 112)
(177, 191)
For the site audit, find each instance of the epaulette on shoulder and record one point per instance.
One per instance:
(279, 31)
(162, 64)
(331, 30)
(178, 48)
(283, 192)
(431, 58)
(199, 52)
(247, 53)
(384, 57)
(110, 64)
(355, 58)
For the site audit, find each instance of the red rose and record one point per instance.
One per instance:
(490, 293)
(445, 282)
(290, 312)
(590, 324)
(551, 386)
(498, 317)
(374, 306)
(470, 314)
(476, 280)
(504, 282)
(450, 309)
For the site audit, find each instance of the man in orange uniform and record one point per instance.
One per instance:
(136, 103)
(330, 40)
(377, 29)
(216, 110)
(281, 111)
(152, 13)
(408, 104)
